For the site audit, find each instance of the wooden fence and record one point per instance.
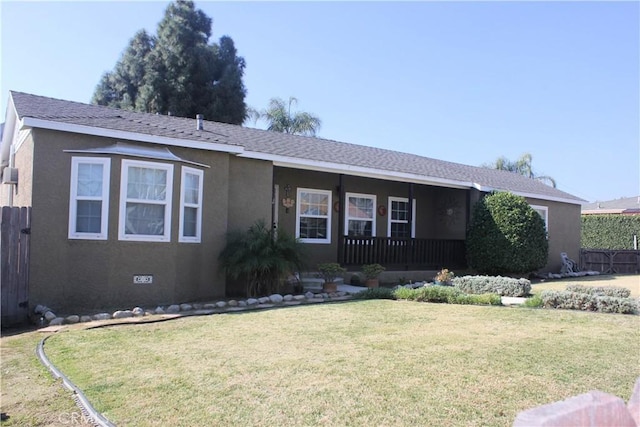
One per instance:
(610, 261)
(14, 275)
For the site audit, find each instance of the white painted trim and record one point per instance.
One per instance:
(545, 217)
(104, 198)
(131, 136)
(413, 215)
(488, 189)
(166, 236)
(347, 218)
(200, 174)
(328, 193)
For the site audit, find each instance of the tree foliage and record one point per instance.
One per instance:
(522, 166)
(178, 72)
(261, 258)
(506, 236)
(280, 119)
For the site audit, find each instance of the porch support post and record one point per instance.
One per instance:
(341, 216)
(411, 247)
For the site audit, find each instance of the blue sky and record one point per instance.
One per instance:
(459, 81)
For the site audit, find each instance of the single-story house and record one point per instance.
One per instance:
(133, 208)
(622, 206)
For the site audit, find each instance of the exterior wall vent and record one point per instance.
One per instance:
(10, 176)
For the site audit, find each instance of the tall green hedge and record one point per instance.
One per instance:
(609, 231)
(506, 236)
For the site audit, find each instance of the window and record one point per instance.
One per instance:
(313, 221)
(89, 201)
(145, 201)
(191, 205)
(360, 218)
(399, 218)
(544, 213)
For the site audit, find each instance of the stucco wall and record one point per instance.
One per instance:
(441, 213)
(96, 274)
(563, 231)
(21, 192)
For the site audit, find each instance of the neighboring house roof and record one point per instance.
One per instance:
(282, 149)
(625, 205)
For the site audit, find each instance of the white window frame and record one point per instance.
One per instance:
(543, 211)
(104, 198)
(329, 195)
(183, 205)
(166, 236)
(347, 218)
(391, 220)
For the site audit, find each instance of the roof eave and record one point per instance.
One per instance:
(30, 122)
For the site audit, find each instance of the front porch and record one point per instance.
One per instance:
(402, 254)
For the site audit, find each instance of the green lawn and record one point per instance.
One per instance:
(357, 363)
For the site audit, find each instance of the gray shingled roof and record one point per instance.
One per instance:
(287, 146)
(625, 203)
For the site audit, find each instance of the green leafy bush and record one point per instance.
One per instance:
(534, 302)
(609, 231)
(588, 302)
(260, 258)
(506, 236)
(505, 286)
(610, 291)
(376, 293)
(445, 294)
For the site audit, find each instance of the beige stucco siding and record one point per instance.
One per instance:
(563, 231)
(441, 213)
(96, 274)
(23, 191)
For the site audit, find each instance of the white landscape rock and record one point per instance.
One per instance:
(263, 300)
(159, 310)
(138, 312)
(102, 316)
(299, 297)
(57, 321)
(233, 303)
(288, 297)
(49, 316)
(85, 319)
(276, 298)
(122, 314)
(209, 306)
(242, 303)
(72, 319)
(221, 304)
(186, 307)
(309, 295)
(174, 308)
(252, 301)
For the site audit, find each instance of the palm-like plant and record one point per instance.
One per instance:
(280, 119)
(521, 166)
(261, 257)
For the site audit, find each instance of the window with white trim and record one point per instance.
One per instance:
(543, 211)
(89, 198)
(145, 201)
(398, 225)
(313, 216)
(190, 205)
(360, 216)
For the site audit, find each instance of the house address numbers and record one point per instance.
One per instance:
(142, 279)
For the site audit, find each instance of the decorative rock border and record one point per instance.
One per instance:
(49, 318)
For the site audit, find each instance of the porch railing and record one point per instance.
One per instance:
(404, 253)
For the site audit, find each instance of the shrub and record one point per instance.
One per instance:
(609, 231)
(376, 293)
(610, 291)
(534, 301)
(504, 286)
(261, 258)
(506, 236)
(445, 294)
(589, 302)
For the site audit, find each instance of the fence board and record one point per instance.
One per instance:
(610, 261)
(14, 258)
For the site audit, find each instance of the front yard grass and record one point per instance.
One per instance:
(629, 281)
(373, 362)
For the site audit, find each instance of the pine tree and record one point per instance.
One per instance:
(178, 72)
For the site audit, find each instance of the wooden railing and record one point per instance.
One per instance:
(404, 253)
